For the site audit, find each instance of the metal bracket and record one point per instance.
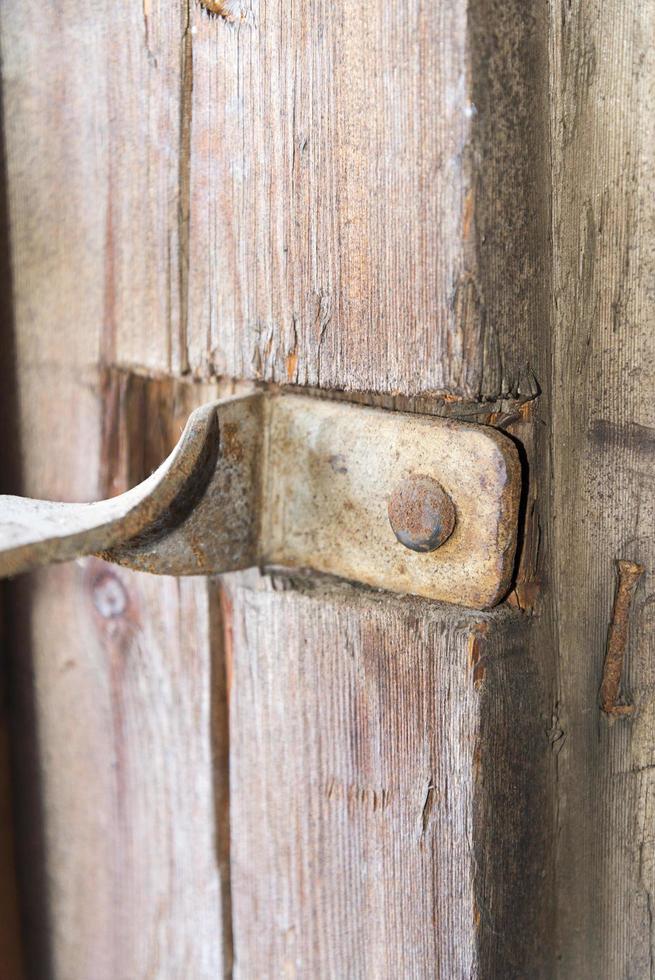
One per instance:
(410, 503)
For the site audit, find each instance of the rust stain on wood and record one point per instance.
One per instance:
(629, 574)
(476, 660)
(291, 364)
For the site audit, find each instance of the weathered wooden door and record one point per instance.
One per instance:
(439, 207)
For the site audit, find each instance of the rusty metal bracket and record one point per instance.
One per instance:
(413, 504)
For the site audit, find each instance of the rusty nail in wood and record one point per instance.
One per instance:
(421, 513)
(629, 574)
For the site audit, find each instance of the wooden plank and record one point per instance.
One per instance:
(94, 110)
(337, 195)
(495, 256)
(119, 734)
(11, 942)
(125, 751)
(358, 219)
(118, 677)
(11, 937)
(374, 798)
(603, 77)
(340, 195)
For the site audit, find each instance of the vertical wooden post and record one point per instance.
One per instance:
(603, 78)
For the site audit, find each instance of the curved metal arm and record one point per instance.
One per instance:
(131, 528)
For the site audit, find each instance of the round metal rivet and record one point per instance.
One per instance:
(421, 513)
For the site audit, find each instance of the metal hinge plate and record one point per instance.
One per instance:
(410, 503)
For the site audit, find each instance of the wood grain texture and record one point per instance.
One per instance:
(327, 194)
(329, 141)
(603, 84)
(354, 196)
(122, 844)
(11, 935)
(348, 189)
(300, 863)
(120, 731)
(125, 750)
(363, 780)
(11, 940)
(347, 195)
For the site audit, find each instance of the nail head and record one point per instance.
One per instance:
(421, 513)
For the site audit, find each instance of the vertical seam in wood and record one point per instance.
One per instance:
(220, 633)
(184, 188)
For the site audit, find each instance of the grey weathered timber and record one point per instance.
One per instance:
(603, 84)
(11, 945)
(119, 722)
(120, 788)
(313, 188)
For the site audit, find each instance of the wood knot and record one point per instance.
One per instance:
(109, 596)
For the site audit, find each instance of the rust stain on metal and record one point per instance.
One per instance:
(231, 447)
(629, 573)
(338, 463)
(280, 479)
(421, 513)
(339, 523)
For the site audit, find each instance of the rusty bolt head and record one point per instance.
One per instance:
(421, 513)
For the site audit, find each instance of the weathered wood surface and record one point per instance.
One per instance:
(11, 938)
(353, 748)
(119, 734)
(11, 945)
(357, 196)
(342, 195)
(324, 195)
(374, 740)
(603, 83)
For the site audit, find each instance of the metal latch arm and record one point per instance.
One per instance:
(409, 503)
